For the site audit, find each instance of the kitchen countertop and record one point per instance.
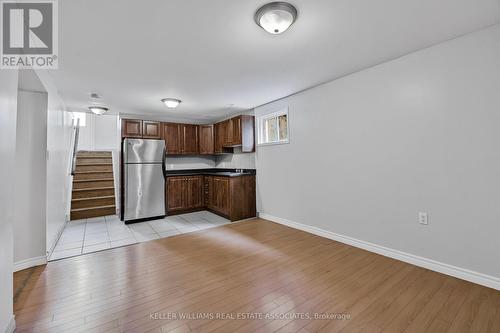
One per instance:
(211, 172)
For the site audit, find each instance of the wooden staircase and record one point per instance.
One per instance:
(93, 186)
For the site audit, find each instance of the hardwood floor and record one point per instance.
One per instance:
(253, 268)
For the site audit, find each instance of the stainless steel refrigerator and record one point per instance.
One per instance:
(144, 182)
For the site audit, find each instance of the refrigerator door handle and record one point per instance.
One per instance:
(163, 165)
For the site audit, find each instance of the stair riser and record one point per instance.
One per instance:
(103, 168)
(93, 203)
(92, 160)
(93, 193)
(93, 213)
(93, 154)
(93, 184)
(96, 175)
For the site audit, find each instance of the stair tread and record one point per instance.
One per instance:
(93, 188)
(92, 180)
(93, 198)
(87, 172)
(92, 208)
(94, 153)
(94, 156)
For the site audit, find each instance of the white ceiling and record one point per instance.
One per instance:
(211, 54)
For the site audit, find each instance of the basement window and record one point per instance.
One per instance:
(82, 116)
(273, 128)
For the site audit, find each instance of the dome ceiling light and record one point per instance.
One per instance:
(97, 106)
(171, 103)
(99, 110)
(276, 17)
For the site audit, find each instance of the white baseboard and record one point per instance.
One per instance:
(11, 326)
(56, 239)
(458, 272)
(31, 262)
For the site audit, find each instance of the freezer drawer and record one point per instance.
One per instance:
(143, 151)
(144, 191)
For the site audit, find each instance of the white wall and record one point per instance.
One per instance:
(100, 133)
(369, 151)
(8, 111)
(31, 180)
(59, 139)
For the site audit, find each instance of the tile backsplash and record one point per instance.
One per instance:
(189, 162)
(236, 160)
(230, 161)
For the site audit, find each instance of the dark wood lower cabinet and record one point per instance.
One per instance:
(242, 198)
(176, 188)
(184, 193)
(221, 195)
(194, 192)
(231, 197)
(208, 190)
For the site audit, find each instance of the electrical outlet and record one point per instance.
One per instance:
(423, 218)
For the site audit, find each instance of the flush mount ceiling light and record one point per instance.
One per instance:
(97, 106)
(100, 110)
(171, 103)
(276, 17)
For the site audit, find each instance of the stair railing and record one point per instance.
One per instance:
(75, 147)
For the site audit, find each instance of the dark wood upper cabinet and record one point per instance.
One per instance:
(180, 138)
(238, 132)
(189, 139)
(131, 128)
(151, 129)
(206, 142)
(219, 133)
(171, 133)
(233, 132)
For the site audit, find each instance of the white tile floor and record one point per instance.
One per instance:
(100, 233)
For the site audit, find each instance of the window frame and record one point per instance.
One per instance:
(260, 127)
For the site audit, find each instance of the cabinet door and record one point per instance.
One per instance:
(224, 195)
(217, 140)
(221, 194)
(228, 133)
(189, 134)
(176, 189)
(206, 139)
(220, 139)
(131, 128)
(194, 194)
(171, 133)
(236, 131)
(151, 130)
